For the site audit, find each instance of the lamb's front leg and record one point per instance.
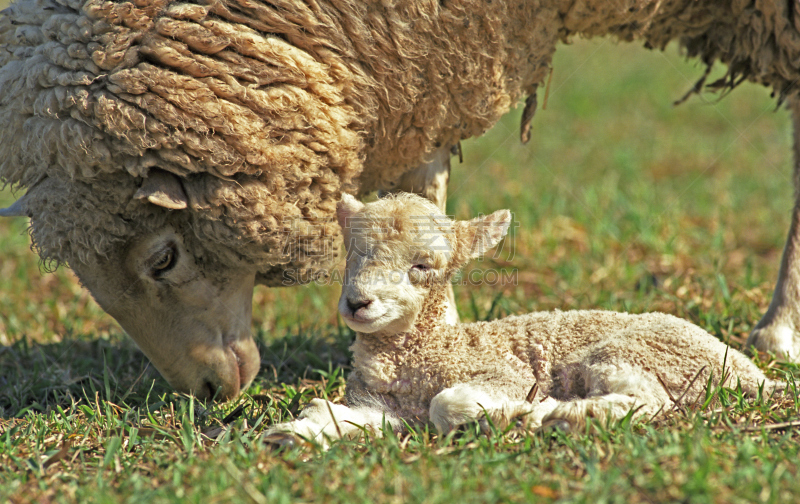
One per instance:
(779, 330)
(323, 421)
(470, 402)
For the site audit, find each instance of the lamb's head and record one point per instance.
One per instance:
(401, 253)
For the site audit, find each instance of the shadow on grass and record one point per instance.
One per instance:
(306, 353)
(38, 377)
(41, 377)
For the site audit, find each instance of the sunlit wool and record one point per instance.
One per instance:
(410, 365)
(268, 111)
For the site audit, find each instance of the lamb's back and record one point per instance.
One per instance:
(672, 348)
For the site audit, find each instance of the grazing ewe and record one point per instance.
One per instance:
(177, 153)
(409, 364)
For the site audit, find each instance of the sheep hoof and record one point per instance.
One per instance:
(493, 423)
(776, 338)
(486, 426)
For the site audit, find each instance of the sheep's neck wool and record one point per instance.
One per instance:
(267, 113)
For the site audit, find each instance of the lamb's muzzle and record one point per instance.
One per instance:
(356, 310)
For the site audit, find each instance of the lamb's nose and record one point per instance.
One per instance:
(355, 306)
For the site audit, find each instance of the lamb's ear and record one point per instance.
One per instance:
(347, 207)
(163, 189)
(478, 235)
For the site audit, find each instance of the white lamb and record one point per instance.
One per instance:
(409, 364)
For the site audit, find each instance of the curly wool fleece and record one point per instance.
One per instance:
(267, 111)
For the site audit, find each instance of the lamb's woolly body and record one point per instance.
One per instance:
(268, 111)
(555, 350)
(416, 367)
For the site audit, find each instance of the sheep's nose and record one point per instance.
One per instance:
(357, 305)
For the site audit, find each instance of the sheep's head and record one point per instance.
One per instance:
(178, 280)
(190, 317)
(187, 308)
(401, 253)
(255, 136)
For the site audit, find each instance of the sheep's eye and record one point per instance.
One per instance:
(420, 267)
(164, 261)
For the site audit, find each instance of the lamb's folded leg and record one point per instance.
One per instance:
(469, 402)
(779, 330)
(614, 389)
(606, 408)
(316, 424)
(430, 181)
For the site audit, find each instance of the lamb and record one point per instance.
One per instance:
(177, 153)
(536, 369)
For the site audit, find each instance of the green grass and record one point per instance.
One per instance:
(623, 202)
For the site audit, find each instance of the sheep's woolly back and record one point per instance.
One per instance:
(269, 110)
(262, 132)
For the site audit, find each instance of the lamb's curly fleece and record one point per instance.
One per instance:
(269, 110)
(568, 354)
(410, 365)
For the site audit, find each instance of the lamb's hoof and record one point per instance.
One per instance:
(555, 425)
(781, 340)
(487, 427)
(283, 439)
(500, 422)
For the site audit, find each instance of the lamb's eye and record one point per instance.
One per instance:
(420, 267)
(164, 261)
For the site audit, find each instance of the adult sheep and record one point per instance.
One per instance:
(175, 154)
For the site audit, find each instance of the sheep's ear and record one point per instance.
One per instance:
(478, 235)
(17, 209)
(347, 207)
(163, 189)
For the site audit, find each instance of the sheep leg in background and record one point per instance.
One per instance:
(322, 421)
(430, 180)
(779, 330)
